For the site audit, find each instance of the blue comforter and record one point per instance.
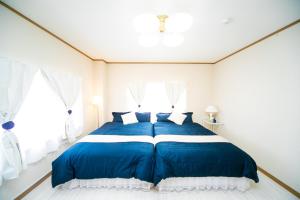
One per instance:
(107, 160)
(179, 159)
(117, 128)
(170, 128)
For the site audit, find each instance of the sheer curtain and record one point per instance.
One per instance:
(137, 91)
(67, 87)
(174, 90)
(15, 81)
(40, 121)
(156, 99)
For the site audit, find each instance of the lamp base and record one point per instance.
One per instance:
(211, 117)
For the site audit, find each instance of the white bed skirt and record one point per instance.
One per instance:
(166, 185)
(108, 183)
(204, 183)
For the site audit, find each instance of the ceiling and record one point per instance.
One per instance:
(103, 29)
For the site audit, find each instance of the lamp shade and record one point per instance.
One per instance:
(211, 109)
(96, 100)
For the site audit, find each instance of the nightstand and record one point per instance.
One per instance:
(212, 125)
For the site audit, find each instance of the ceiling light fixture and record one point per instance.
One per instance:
(172, 39)
(226, 20)
(162, 22)
(148, 40)
(167, 29)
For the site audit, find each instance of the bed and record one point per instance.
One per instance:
(113, 156)
(190, 156)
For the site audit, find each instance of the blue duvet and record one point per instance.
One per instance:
(117, 128)
(178, 159)
(107, 160)
(170, 128)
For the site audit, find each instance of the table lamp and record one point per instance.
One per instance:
(211, 110)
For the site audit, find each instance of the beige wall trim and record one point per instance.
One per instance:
(242, 49)
(259, 40)
(279, 182)
(23, 194)
(143, 62)
(101, 60)
(157, 62)
(43, 28)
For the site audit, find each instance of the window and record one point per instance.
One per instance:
(156, 99)
(40, 123)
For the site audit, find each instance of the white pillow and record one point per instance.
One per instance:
(129, 118)
(177, 118)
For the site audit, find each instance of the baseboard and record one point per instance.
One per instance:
(279, 182)
(36, 184)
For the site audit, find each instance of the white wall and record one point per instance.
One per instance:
(22, 41)
(258, 93)
(100, 77)
(196, 77)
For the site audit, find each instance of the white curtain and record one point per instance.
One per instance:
(174, 90)
(15, 81)
(67, 87)
(40, 121)
(137, 91)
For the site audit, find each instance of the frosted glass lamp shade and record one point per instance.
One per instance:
(146, 23)
(96, 100)
(211, 109)
(179, 23)
(172, 40)
(148, 40)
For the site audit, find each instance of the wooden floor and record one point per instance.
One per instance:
(266, 189)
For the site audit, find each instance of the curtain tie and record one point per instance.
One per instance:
(8, 125)
(173, 106)
(69, 112)
(139, 105)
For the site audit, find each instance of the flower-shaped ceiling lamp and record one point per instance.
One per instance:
(166, 28)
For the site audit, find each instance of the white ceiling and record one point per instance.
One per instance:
(103, 28)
